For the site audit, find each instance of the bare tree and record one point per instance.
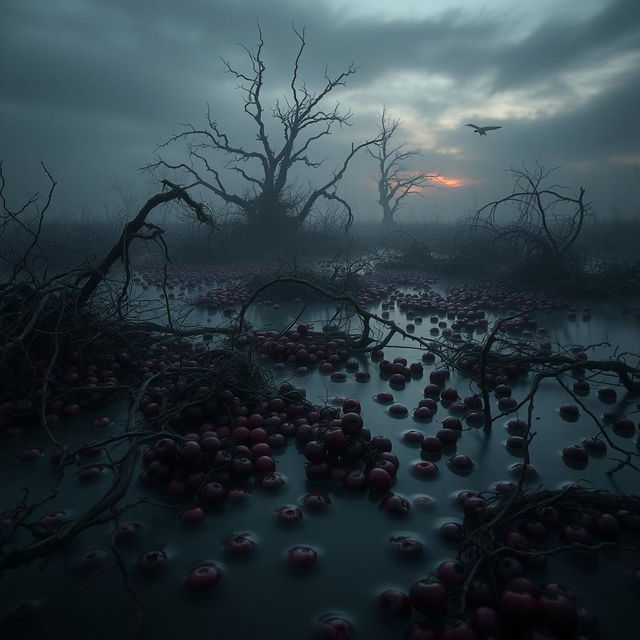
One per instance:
(542, 221)
(270, 200)
(395, 180)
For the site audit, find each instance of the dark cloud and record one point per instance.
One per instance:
(92, 86)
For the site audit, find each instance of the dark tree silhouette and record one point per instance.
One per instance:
(542, 221)
(270, 201)
(395, 181)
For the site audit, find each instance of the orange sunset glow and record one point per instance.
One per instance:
(454, 183)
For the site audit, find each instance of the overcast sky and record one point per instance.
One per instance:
(91, 87)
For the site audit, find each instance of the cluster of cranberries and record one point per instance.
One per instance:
(511, 605)
(223, 442)
(79, 379)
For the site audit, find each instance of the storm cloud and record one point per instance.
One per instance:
(91, 87)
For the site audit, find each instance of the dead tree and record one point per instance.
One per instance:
(538, 223)
(269, 201)
(394, 179)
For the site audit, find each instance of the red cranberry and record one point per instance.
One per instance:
(451, 573)
(152, 561)
(431, 444)
(427, 597)
(288, 514)
(316, 501)
(379, 479)
(192, 514)
(240, 545)
(302, 556)
(452, 532)
(335, 628)
(396, 504)
(272, 481)
(394, 602)
(421, 631)
(202, 577)
(461, 463)
(517, 608)
(212, 493)
(407, 546)
(425, 469)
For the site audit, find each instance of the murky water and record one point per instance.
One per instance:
(260, 597)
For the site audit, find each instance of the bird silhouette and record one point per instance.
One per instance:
(481, 130)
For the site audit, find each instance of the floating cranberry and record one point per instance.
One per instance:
(396, 504)
(452, 532)
(575, 454)
(407, 546)
(432, 445)
(480, 593)
(272, 481)
(241, 545)
(316, 501)
(428, 597)
(624, 427)
(569, 412)
(425, 469)
(335, 628)
(355, 480)
(451, 573)
(517, 427)
(204, 576)
(574, 533)
(475, 419)
(394, 602)
(398, 410)
(421, 631)
(379, 479)
(30, 454)
(448, 437)
(607, 394)
(127, 532)
(193, 513)
(461, 462)
(302, 556)
(351, 423)
(152, 561)
(517, 608)
(413, 437)
(288, 514)
(384, 398)
(456, 629)
(451, 423)
(423, 414)
(212, 493)
(557, 612)
(486, 621)
(382, 443)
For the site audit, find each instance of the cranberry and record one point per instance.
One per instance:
(379, 479)
(272, 481)
(335, 628)
(427, 597)
(288, 514)
(152, 561)
(192, 514)
(517, 607)
(395, 504)
(452, 532)
(425, 469)
(407, 546)
(202, 577)
(240, 545)
(394, 602)
(451, 573)
(316, 501)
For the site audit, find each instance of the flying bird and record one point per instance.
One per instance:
(481, 130)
